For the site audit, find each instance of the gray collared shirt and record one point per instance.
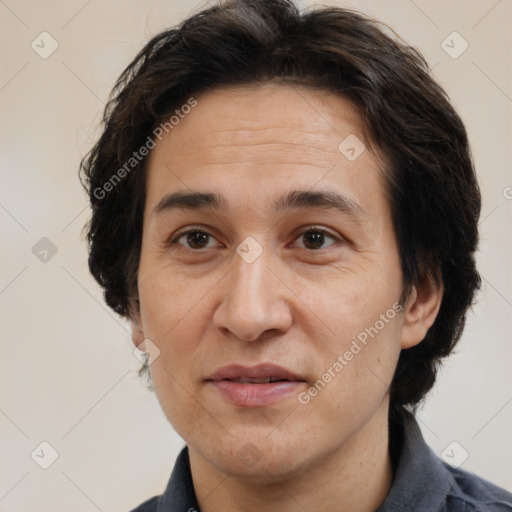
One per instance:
(422, 482)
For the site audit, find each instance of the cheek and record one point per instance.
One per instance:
(174, 316)
(169, 300)
(176, 395)
(362, 342)
(350, 302)
(357, 374)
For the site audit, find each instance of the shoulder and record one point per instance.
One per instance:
(148, 506)
(471, 493)
(424, 482)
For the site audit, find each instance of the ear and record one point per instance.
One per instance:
(421, 310)
(136, 326)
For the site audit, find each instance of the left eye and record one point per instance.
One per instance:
(314, 239)
(195, 240)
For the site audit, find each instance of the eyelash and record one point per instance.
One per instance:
(310, 229)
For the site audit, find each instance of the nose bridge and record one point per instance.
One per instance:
(249, 276)
(253, 301)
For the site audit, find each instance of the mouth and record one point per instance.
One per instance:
(264, 373)
(259, 385)
(264, 380)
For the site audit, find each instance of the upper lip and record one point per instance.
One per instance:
(260, 371)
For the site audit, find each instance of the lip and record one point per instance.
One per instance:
(260, 371)
(226, 381)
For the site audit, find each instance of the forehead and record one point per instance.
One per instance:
(252, 141)
(238, 116)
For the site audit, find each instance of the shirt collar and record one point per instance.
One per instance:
(179, 496)
(417, 469)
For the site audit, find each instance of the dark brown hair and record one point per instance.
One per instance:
(431, 182)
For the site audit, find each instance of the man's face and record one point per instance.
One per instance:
(263, 282)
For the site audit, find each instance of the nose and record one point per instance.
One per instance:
(255, 302)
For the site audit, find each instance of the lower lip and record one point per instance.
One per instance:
(253, 395)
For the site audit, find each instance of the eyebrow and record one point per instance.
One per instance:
(294, 200)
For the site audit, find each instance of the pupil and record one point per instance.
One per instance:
(197, 238)
(316, 238)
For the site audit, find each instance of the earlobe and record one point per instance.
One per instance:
(136, 326)
(421, 310)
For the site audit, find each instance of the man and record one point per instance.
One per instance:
(285, 207)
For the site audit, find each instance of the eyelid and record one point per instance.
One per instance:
(321, 229)
(174, 237)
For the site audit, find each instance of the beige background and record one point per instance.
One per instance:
(68, 375)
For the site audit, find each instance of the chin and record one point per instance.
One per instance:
(258, 458)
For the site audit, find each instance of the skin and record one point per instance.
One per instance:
(205, 307)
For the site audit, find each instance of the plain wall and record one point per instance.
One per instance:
(68, 373)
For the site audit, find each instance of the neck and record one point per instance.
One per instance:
(356, 476)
